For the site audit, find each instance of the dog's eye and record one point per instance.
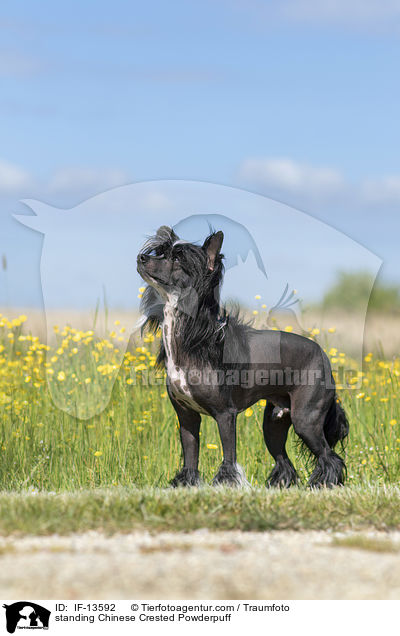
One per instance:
(176, 256)
(156, 253)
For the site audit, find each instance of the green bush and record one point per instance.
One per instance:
(352, 288)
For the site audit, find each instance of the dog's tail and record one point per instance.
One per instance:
(336, 426)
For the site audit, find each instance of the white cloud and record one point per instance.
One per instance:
(354, 12)
(76, 180)
(67, 185)
(385, 190)
(301, 184)
(14, 63)
(296, 183)
(13, 179)
(364, 15)
(285, 175)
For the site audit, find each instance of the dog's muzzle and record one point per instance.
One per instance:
(143, 258)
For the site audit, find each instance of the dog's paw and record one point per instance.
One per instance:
(329, 471)
(230, 475)
(283, 475)
(186, 477)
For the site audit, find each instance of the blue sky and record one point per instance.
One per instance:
(297, 100)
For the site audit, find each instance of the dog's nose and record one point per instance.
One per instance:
(143, 258)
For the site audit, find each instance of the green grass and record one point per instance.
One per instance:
(182, 510)
(363, 542)
(135, 442)
(110, 471)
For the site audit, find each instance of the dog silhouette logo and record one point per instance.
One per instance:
(26, 615)
(277, 260)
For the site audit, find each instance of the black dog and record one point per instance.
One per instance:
(219, 366)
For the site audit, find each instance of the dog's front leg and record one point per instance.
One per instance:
(229, 473)
(189, 429)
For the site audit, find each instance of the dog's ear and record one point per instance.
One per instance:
(212, 247)
(166, 233)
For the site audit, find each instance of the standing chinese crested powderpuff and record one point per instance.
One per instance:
(217, 365)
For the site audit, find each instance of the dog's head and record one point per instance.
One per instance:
(177, 268)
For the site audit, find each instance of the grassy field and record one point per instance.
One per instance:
(133, 442)
(113, 510)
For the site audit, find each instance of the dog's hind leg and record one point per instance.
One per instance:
(276, 425)
(189, 430)
(308, 422)
(229, 473)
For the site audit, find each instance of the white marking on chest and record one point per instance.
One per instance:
(176, 375)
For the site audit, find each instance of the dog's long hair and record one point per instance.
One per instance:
(200, 334)
(206, 325)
